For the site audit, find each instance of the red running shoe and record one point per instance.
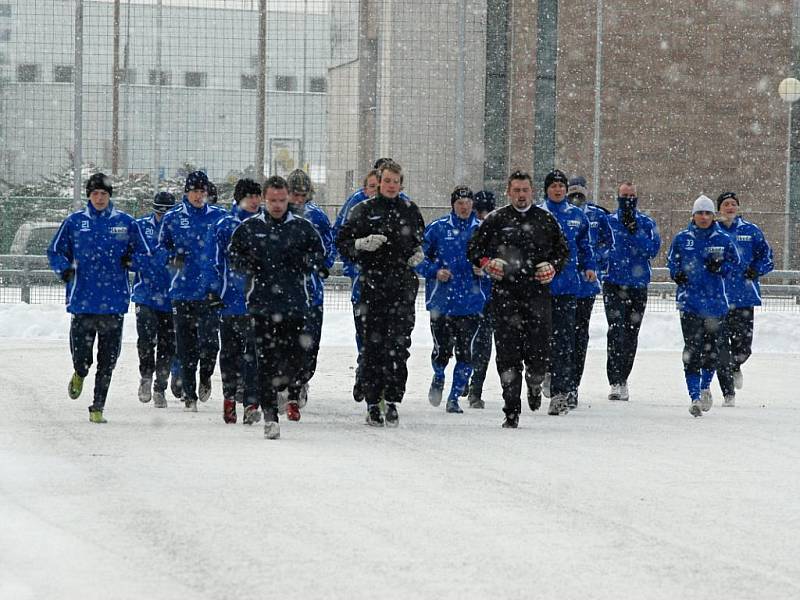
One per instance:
(292, 411)
(229, 410)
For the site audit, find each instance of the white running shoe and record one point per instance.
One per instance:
(614, 394)
(272, 430)
(694, 409)
(738, 379)
(706, 400)
(624, 396)
(145, 386)
(546, 385)
(159, 400)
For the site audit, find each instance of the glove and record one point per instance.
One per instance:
(681, 278)
(714, 263)
(545, 272)
(751, 273)
(178, 260)
(629, 221)
(495, 267)
(323, 272)
(68, 275)
(214, 301)
(416, 258)
(371, 242)
(126, 261)
(477, 271)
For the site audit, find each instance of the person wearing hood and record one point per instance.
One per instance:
(277, 251)
(92, 252)
(237, 344)
(564, 289)
(383, 236)
(635, 242)
(600, 241)
(521, 247)
(187, 245)
(700, 258)
(301, 195)
(453, 295)
(742, 288)
(155, 327)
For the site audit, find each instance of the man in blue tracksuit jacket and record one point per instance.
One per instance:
(301, 192)
(741, 286)
(600, 241)
(483, 203)
(237, 360)
(700, 258)
(635, 242)
(187, 243)
(453, 295)
(564, 289)
(92, 252)
(154, 324)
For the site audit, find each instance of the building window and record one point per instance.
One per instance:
(195, 79)
(318, 84)
(62, 73)
(249, 82)
(285, 83)
(5, 10)
(27, 73)
(156, 77)
(127, 76)
(5, 35)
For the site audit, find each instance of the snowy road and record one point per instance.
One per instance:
(613, 501)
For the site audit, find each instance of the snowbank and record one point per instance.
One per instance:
(775, 331)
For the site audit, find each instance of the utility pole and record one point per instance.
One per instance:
(77, 115)
(261, 102)
(367, 86)
(115, 94)
(544, 153)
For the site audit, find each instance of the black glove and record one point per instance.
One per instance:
(629, 221)
(714, 263)
(323, 272)
(214, 301)
(126, 261)
(178, 260)
(750, 273)
(68, 275)
(681, 278)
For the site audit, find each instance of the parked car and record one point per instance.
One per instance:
(32, 238)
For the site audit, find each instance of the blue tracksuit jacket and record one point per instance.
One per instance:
(151, 286)
(320, 221)
(575, 227)
(445, 247)
(93, 243)
(754, 251)
(705, 293)
(630, 254)
(189, 231)
(600, 240)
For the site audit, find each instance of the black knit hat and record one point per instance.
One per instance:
(213, 194)
(163, 201)
(484, 201)
(99, 181)
(196, 180)
(724, 196)
(555, 176)
(246, 187)
(461, 191)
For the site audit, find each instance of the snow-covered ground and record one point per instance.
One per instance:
(634, 500)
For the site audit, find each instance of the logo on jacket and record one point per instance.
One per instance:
(744, 238)
(119, 229)
(574, 223)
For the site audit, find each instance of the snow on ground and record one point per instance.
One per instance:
(634, 500)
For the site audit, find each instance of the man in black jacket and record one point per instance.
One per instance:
(383, 236)
(278, 251)
(521, 247)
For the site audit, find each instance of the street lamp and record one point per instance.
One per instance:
(789, 91)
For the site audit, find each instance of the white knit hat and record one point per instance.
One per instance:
(703, 204)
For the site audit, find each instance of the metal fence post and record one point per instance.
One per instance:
(545, 108)
(77, 135)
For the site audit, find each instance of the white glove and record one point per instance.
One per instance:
(496, 268)
(416, 258)
(545, 272)
(371, 242)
